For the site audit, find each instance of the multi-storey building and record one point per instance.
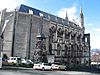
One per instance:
(31, 33)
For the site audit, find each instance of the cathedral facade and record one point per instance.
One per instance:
(31, 33)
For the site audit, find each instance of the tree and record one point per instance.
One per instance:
(5, 57)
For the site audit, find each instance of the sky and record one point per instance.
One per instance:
(91, 11)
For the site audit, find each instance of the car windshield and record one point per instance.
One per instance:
(18, 58)
(47, 64)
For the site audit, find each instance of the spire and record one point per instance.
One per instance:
(81, 18)
(81, 10)
(81, 13)
(66, 16)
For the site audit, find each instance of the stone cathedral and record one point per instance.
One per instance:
(33, 34)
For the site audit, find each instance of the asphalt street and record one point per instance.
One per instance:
(38, 72)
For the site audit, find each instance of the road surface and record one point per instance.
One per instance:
(38, 72)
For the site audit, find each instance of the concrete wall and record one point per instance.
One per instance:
(21, 34)
(36, 23)
(8, 34)
(26, 29)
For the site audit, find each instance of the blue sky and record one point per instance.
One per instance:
(91, 10)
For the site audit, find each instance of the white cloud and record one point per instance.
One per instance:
(10, 4)
(94, 37)
(88, 31)
(97, 30)
(95, 41)
(72, 12)
(89, 24)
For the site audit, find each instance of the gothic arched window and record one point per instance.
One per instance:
(73, 36)
(59, 32)
(58, 49)
(52, 29)
(66, 49)
(50, 48)
(67, 35)
(79, 36)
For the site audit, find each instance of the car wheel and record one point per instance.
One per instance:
(59, 68)
(51, 69)
(65, 69)
(43, 69)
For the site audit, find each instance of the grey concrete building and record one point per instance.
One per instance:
(29, 31)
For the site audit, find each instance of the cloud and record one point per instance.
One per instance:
(89, 24)
(95, 41)
(95, 44)
(72, 12)
(10, 4)
(97, 30)
(95, 37)
(88, 31)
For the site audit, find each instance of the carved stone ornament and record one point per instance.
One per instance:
(60, 31)
(58, 46)
(66, 32)
(53, 29)
(73, 34)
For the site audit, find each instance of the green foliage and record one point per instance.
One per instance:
(5, 56)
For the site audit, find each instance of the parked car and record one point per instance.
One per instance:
(58, 67)
(4, 62)
(23, 61)
(28, 61)
(14, 60)
(42, 66)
